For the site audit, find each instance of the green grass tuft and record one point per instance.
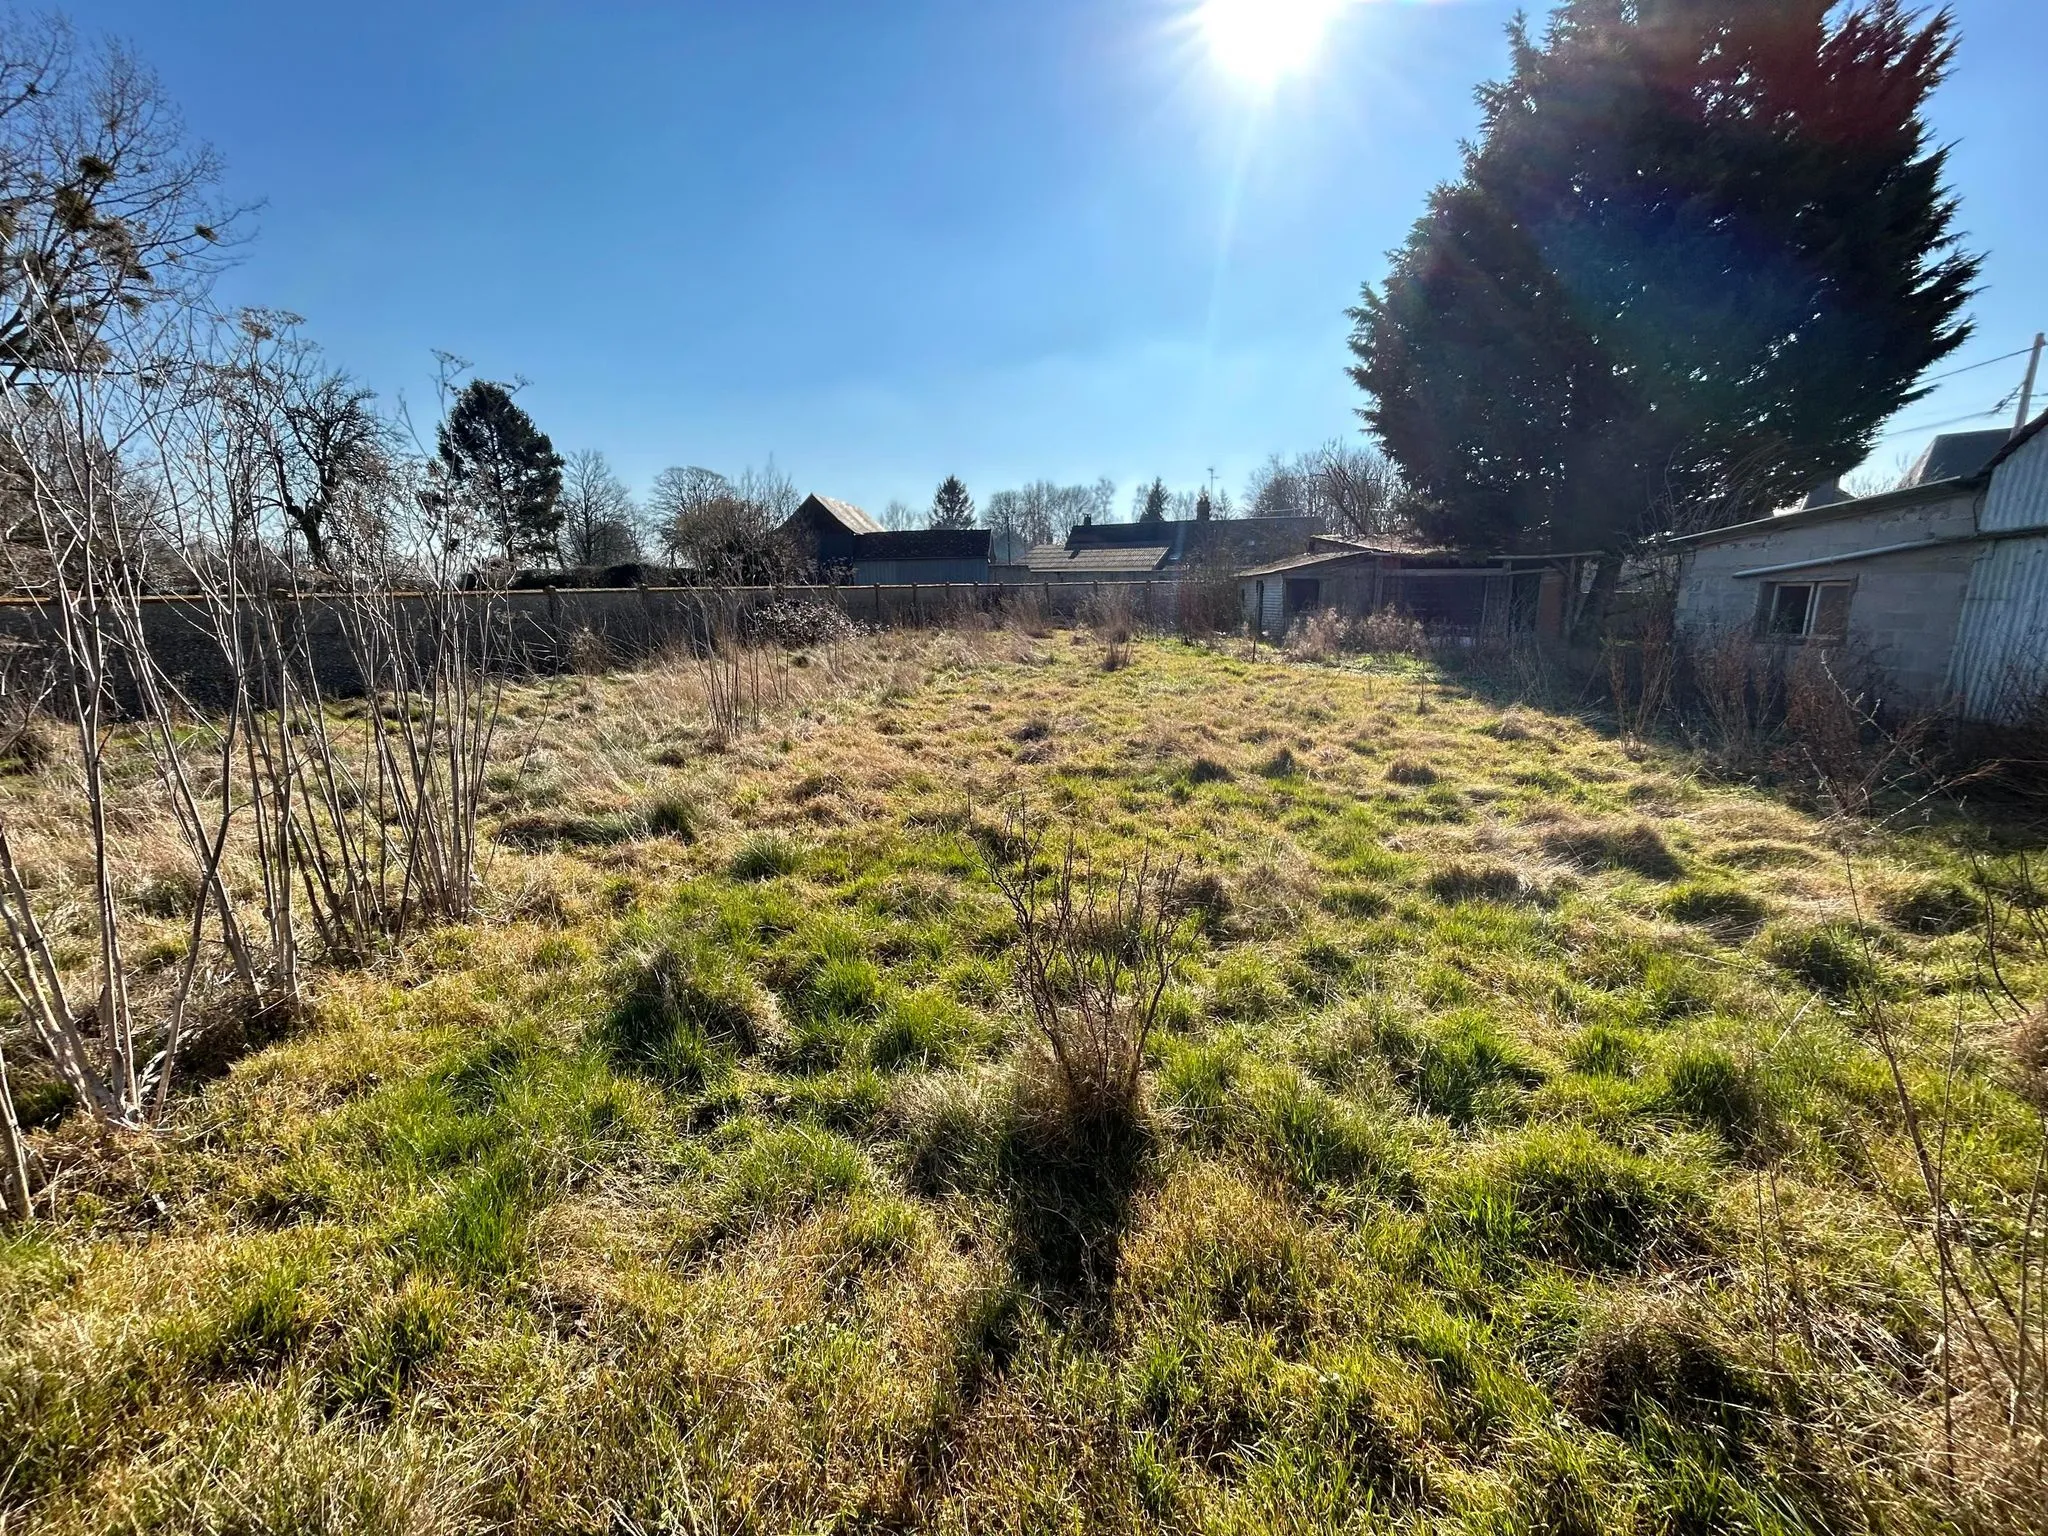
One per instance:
(1940, 906)
(765, 856)
(1716, 904)
(1834, 958)
(1636, 847)
(922, 1029)
(1563, 1195)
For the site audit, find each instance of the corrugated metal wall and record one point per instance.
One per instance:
(2019, 490)
(2002, 642)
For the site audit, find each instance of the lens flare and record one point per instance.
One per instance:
(1262, 42)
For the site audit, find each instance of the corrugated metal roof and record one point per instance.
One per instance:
(1052, 558)
(2001, 652)
(848, 516)
(1309, 562)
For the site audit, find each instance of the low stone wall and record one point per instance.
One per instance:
(554, 629)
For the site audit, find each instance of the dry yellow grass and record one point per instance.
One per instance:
(1465, 1103)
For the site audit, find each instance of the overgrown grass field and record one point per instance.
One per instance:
(1520, 1148)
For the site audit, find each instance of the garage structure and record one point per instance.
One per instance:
(1444, 589)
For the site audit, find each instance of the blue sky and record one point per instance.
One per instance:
(885, 242)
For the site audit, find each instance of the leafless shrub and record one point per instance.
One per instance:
(1113, 614)
(1806, 713)
(1207, 602)
(1991, 1363)
(26, 683)
(2012, 747)
(797, 626)
(1642, 663)
(26, 742)
(1838, 733)
(356, 825)
(588, 653)
(1731, 682)
(1095, 955)
(66, 437)
(738, 673)
(1024, 611)
(1321, 635)
(1390, 632)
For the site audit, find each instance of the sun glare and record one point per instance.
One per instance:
(1263, 41)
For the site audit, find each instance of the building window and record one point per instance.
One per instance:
(1804, 610)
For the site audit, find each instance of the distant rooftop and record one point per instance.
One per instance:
(844, 513)
(1112, 559)
(1956, 456)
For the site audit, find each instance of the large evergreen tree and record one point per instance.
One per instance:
(504, 466)
(1156, 500)
(952, 507)
(1700, 252)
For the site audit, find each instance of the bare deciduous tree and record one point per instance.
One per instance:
(599, 520)
(680, 495)
(1043, 512)
(1348, 488)
(319, 455)
(728, 530)
(105, 204)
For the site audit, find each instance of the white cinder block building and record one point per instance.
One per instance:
(1944, 584)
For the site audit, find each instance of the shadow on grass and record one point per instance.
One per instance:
(1070, 1190)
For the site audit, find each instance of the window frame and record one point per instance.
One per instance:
(1767, 611)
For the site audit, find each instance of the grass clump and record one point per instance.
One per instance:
(539, 833)
(1636, 847)
(1938, 907)
(1411, 771)
(922, 1029)
(384, 1352)
(686, 1002)
(1833, 958)
(1283, 764)
(1246, 989)
(787, 1173)
(1563, 1195)
(1319, 1143)
(1606, 1050)
(1463, 881)
(673, 816)
(1716, 904)
(764, 856)
(1711, 1085)
(1466, 1071)
(1637, 1362)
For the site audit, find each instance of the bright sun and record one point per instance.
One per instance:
(1260, 41)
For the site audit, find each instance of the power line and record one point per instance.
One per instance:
(1957, 421)
(1973, 367)
(1953, 421)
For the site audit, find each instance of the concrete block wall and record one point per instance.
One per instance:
(1905, 607)
(551, 630)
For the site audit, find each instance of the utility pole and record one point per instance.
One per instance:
(2027, 389)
